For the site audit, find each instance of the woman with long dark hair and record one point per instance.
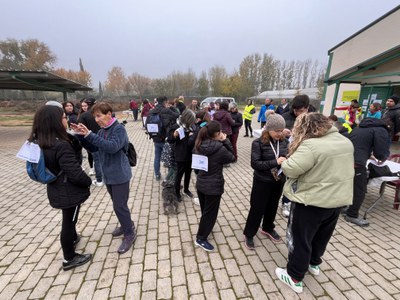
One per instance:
(72, 186)
(213, 144)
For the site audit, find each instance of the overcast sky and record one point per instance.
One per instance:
(156, 37)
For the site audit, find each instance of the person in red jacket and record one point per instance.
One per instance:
(133, 105)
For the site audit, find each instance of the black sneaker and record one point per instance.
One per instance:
(246, 135)
(272, 235)
(127, 243)
(204, 244)
(78, 260)
(249, 243)
(158, 177)
(188, 193)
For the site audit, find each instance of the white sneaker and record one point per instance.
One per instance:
(91, 172)
(286, 279)
(286, 210)
(96, 183)
(196, 201)
(314, 270)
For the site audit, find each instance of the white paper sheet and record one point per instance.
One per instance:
(29, 152)
(200, 162)
(152, 128)
(181, 132)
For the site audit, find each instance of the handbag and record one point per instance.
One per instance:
(380, 171)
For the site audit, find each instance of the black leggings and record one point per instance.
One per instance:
(247, 126)
(68, 231)
(90, 159)
(183, 168)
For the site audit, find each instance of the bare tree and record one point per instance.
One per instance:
(217, 75)
(139, 84)
(116, 81)
(203, 84)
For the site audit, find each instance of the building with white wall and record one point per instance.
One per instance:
(365, 66)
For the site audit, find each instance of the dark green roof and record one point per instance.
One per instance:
(38, 81)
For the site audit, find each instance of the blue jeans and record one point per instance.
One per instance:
(158, 147)
(97, 166)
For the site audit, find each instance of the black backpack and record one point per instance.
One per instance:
(154, 126)
(132, 156)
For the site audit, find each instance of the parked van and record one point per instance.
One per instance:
(208, 100)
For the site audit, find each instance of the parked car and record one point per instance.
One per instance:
(208, 100)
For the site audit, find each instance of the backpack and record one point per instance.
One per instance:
(131, 154)
(154, 126)
(38, 171)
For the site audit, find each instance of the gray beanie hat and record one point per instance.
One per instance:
(274, 121)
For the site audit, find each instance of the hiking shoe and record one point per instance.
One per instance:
(188, 193)
(196, 201)
(91, 172)
(118, 231)
(78, 260)
(78, 238)
(313, 270)
(286, 209)
(358, 221)
(127, 243)
(249, 243)
(204, 244)
(97, 183)
(272, 235)
(286, 279)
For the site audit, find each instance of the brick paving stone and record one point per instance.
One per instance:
(32, 280)
(149, 281)
(180, 293)
(194, 286)
(331, 289)
(250, 276)
(176, 258)
(163, 268)
(118, 286)
(384, 283)
(210, 290)
(164, 288)
(21, 295)
(149, 296)
(222, 279)
(240, 286)
(10, 290)
(150, 262)
(227, 294)
(55, 292)
(358, 286)
(379, 292)
(41, 288)
(106, 278)
(206, 272)
(257, 292)
(133, 291)
(178, 276)
(102, 294)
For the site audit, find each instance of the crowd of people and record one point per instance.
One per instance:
(314, 164)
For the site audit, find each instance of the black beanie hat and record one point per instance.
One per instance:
(395, 98)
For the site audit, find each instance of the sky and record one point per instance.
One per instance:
(156, 37)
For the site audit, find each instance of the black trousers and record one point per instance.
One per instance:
(263, 124)
(247, 126)
(68, 231)
(120, 195)
(135, 113)
(264, 202)
(183, 168)
(209, 205)
(309, 230)
(359, 190)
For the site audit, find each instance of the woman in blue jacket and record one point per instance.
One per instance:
(112, 143)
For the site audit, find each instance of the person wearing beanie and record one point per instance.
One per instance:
(391, 116)
(267, 154)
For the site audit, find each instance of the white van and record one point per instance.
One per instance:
(208, 100)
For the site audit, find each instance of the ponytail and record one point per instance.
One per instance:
(207, 133)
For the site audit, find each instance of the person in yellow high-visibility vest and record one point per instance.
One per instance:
(248, 113)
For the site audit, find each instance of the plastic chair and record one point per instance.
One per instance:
(395, 183)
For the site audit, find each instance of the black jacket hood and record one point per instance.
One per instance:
(209, 147)
(372, 122)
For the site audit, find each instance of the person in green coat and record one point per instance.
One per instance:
(320, 172)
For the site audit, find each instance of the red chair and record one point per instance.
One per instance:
(395, 184)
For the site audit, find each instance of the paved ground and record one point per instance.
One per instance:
(164, 264)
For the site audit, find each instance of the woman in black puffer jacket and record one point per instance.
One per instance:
(213, 144)
(72, 186)
(267, 154)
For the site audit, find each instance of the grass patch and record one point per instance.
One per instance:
(8, 119)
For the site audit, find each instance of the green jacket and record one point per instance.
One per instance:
(320, 172)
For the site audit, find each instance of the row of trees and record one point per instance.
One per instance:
(255, 73)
